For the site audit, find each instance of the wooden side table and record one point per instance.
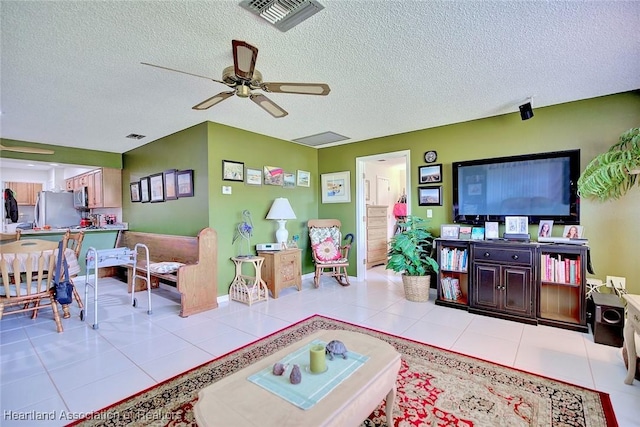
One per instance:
(282, 269)
(245, 288)
(631, 327)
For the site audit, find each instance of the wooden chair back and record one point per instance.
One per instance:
(8, 237)
(74, 241)
(26, 286)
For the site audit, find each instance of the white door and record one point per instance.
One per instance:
(383, 191)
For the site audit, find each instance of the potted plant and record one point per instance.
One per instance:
(410, 254)
(611, 174)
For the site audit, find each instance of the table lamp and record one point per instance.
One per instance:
(281, 211)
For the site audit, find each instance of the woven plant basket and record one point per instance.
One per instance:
(416, 288)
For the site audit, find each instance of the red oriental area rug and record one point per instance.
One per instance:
(435, 387)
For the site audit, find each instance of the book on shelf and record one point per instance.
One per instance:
(559, 269)
(451, 289)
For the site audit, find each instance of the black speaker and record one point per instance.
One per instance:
(526, 112)
(608, 320)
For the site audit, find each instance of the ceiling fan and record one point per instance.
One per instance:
(244, 78)
(29, 150)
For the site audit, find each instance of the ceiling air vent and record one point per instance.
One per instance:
(135, 136)
(321, 139)
(283, 14)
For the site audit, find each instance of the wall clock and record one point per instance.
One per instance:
(430, 156)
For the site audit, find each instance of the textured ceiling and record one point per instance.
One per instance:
(71, 72)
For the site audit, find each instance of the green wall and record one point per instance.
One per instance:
(203, 148)
(187, 149)
(225, 213)
(591, 125)
(72, 156)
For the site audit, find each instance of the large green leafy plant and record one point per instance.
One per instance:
(613, 173)
(410, 250)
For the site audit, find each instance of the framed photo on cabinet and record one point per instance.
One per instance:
(449, 231)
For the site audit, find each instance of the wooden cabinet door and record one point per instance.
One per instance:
(97, 189)
(516, 290)
(486, 292)
(68, 184)
(25, 193)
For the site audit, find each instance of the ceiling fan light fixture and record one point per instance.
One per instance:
(283, 14)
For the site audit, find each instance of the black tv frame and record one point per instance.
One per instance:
(574, 202)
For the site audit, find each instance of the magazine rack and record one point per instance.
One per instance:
(110, 258)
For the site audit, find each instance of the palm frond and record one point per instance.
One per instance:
(608, 175)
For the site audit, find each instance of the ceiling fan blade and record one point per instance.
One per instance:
(268, 105)
(244, 59)
(301, 88)
(183, 72)
(28, 150)
(213, 100)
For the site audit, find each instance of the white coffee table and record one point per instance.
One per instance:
(235, 401)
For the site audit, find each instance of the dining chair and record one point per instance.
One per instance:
(73, 241)
(30, 289)
(8, 237)
(330, 254)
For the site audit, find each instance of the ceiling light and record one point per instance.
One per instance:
(283, 14)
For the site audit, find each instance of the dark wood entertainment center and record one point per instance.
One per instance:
(530, 282)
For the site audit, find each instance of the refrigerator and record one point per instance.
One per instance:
(56, 210)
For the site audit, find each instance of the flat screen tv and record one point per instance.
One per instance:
(540, 186)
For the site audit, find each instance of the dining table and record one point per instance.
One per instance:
(20, 250)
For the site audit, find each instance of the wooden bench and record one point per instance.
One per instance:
(196, 281)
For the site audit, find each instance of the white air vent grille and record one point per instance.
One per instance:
(283, 14)
(321, 139)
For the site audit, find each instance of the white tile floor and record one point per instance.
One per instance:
(82, 369)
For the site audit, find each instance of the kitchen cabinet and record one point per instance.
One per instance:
(502, 277)
(25, 193)
(104, 187)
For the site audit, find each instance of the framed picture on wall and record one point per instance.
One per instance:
(430, 196)
(289, 180)
(185, 183)
(273, 175)
(145, 195)
(170, 184)
(134, 190)
(430, 174)
(336, 187)
(232, 171)
(304, 178)
(156, 187)
(254, 176)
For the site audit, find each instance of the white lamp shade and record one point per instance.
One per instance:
(281, 209)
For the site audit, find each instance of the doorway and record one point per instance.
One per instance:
(391, 169)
